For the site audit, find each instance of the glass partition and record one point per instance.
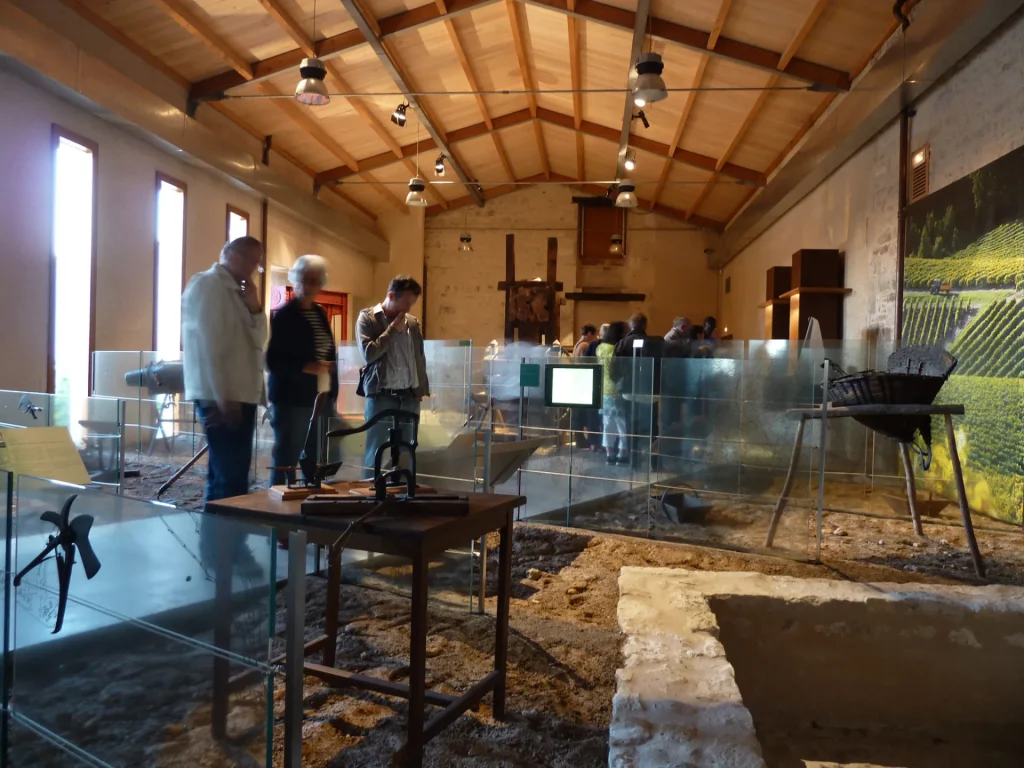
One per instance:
(94, 423)
(179, 600)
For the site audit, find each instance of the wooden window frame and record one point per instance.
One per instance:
(162, 177)
(58, 132)
(227, 221)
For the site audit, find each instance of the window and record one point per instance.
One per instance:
(72, 284)
(238, 223)
(170, 266)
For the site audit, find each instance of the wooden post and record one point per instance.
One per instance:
(554, 313)
(908, 470)
(961, 492)
(787, 485)
(510, 278)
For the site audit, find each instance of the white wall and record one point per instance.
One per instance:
(969, 120)
(127, 168)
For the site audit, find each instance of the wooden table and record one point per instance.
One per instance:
(417, 537)
(947, 411)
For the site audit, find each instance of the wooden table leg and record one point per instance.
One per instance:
(501, 626)
(965, 512)
(224, 552)
(787, 485)
(330, 653)
(908, 470)
(417, 660)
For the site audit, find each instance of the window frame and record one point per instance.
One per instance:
(162, 178)
(231, 209)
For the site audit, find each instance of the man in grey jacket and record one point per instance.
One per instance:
(391, 344)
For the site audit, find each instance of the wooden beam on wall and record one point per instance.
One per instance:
(371, 31)
(697, 40)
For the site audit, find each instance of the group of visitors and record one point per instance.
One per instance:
(224, 334)
(628, 403)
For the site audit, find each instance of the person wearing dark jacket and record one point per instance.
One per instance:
(302, 360)
(678, 346)
(639, 354)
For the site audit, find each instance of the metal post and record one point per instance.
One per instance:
(821, 462)
(122, 417)
(294, 649)
(8, 660)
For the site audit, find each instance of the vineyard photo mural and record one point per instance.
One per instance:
(964, 290)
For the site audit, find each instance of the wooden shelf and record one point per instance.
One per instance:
(773, 303)
(606, 296)
(809, 289)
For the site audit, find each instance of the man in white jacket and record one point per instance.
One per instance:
(224, 330)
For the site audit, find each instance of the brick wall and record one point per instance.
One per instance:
(973, 117)
(665, 261)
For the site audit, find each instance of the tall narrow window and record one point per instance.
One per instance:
(170, 265)
(237, 224)
(72, 312)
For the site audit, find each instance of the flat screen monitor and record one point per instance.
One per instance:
(572, 386)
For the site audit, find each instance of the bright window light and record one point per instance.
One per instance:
(73, 204)
(170, 260)
(238, 224)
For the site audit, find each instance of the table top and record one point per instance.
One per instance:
(386, 533)
(878, 410)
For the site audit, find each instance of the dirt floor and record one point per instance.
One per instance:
(565, 643)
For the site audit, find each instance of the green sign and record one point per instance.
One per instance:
(529, 375)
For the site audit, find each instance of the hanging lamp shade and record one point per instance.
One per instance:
(311, 89)
(627, 194)
(466, 243)
(649, 86)
(416, 198)
(615, 249)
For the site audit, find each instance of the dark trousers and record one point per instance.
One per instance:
(291, 424)
(378, 434)
(227, 467)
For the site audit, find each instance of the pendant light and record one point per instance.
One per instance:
(416, 198)
(439, 165)
(615, 249)
(627, 194)
(465, 243)
(311, 89)
(649, 86)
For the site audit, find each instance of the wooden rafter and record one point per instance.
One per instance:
(697, 40)
(301, 117)
(588, 128)
(784, 60)
(594, 189)
(395, 202)
(577, 86)
(528, 82)
(474, 85)
(691, 97)
(289, 25)
(371, 31)
(185, 13)
(643, 10)
(332, 46)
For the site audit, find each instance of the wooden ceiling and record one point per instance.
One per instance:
(769, 68)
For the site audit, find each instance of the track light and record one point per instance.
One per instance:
(398, 116)
(630, 161)
(616, 247)
(439, 165)
(627, 194)
(415, 198)
(311, 89)
(649, 86)
(642, 118)
(466, 243)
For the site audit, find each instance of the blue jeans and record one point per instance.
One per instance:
(227, 467)
(291, 424)
(378, 434)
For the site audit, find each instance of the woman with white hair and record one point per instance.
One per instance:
(302, 361)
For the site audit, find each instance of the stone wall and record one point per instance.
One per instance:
(973, 117)
(665, 261)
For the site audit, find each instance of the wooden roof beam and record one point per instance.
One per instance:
(330, 47)
(474, 85)
(186, 15)
(807, 72)
(371, 31)
(784, 59)
(529, 84)
(643, 10)
(284, 20)
(301, 117)
(587, 128)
